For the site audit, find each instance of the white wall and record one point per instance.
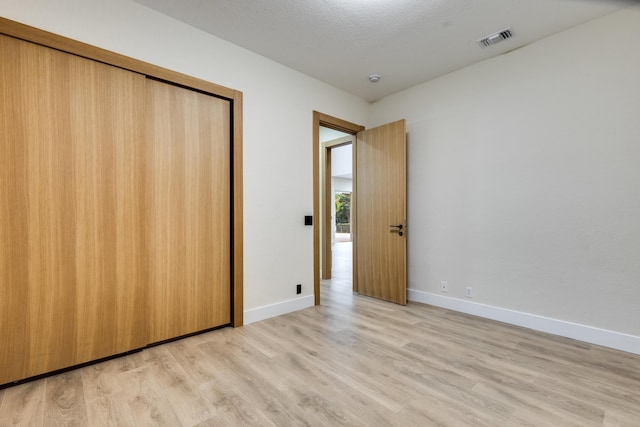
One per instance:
(524, 177)
(278, 105)
(327, 134)
(342, 185)
(341, 160)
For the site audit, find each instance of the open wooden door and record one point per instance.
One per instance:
(380, 244)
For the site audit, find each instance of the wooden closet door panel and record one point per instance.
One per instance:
(71, 234)
(189, 210)
(107, 116)
(14, 248)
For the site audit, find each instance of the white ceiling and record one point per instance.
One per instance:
(407, 42)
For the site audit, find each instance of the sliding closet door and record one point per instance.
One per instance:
(189, 216)
(72, 248)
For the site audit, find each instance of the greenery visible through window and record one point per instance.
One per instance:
(343, 212)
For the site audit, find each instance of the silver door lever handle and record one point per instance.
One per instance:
(399, 227)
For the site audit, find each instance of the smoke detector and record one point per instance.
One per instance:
(374, 78)
(496, 37)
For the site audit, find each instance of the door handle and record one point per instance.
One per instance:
(398, 228)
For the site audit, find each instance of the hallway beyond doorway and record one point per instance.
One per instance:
(343, 237)
(341, 282)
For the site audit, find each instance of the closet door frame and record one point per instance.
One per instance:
(47, 39)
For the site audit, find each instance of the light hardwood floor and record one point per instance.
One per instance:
(352, 361)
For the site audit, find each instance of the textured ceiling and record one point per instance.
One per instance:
(407, 42)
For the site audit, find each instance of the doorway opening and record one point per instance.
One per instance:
(336, 224)
(330, 136)
(337, 179)
(337, 230)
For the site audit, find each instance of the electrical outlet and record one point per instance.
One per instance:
(444, 287)
(469, 293)
(299, 288)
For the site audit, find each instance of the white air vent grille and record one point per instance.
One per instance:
(497, 37)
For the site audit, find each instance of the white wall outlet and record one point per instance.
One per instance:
(469, 293)
(444, 287)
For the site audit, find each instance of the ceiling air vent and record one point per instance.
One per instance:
(497, 37)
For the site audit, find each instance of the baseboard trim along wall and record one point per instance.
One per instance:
(272, 310)
(603, 337)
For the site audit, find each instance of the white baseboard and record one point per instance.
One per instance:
(603, 337)
(278, 309)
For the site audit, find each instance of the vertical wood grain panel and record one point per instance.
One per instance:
(189, 210)
(380, 202)
(108, 176)
(74, 256)
(238, 217)
(14, 246)
(74, 265)
(44, 38)
(51, 308)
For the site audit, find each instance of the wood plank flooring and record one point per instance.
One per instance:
(352, 361)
